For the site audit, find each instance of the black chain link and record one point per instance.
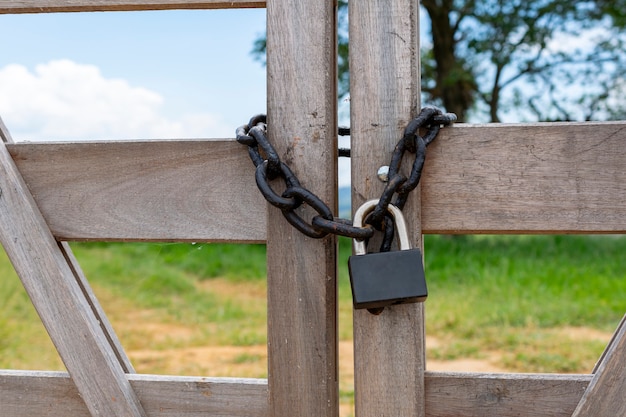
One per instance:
(269, 167)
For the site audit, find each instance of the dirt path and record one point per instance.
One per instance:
(251, 361)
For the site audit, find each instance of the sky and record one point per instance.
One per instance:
(136, 75)
(133, 75)
(129, 75)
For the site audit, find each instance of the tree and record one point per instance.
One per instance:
(480, 48)
(544, 59)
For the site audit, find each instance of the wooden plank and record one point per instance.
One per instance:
(503, 395)
(24, 393)
(389, 351)
(606, 394)
(609, 346)
(90, 298)
(27, 393)
(90, 190)
(5, 136)
(302, 289)
(88, 295)
(535, 178)
(50, 6)
(58, 299)
(191, 191)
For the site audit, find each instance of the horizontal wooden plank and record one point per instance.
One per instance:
(28, 393)
(52, 394)
(537, 178)
(50, 6)
(197, 190)
(503, 395)
(544, 178)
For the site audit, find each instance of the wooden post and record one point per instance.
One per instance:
(302, 291)
(384, 97)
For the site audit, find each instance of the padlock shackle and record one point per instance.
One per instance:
(398, 218)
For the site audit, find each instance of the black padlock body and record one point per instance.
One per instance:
(387, 278)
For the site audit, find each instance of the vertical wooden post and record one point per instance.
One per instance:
(302, 292)
(384, 97)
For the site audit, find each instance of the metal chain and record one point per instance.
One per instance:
(269, 167)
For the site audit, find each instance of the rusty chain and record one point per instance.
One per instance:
(269, 167)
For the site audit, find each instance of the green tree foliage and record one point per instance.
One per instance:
(545, 59)
(542, 59)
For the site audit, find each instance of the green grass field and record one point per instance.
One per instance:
(528, 299)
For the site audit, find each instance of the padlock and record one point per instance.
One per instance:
(382, 279)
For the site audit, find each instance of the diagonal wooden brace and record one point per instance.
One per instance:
(52, 285)
(88, 293)
(606, 392)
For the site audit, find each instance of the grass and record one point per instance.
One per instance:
(523, 297)
(513, 293)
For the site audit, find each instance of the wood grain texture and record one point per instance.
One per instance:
(52, 394)
(191, 191)
(89, 297)
(384, 92)
(5, 135)
(533, 178)
(302, 288)
(606, 394)
(477, 179)
(59, 301)
(609, 345)
(28, 393)
(503, 395)
(50, 6)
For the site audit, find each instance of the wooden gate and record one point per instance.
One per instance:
(541, 178)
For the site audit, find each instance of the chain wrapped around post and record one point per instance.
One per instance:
(269, 167)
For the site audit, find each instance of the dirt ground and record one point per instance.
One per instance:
(251, 361)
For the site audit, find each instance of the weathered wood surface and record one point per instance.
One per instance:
(302, 290)
(90, 298)
(88, 295)
(609, 346)
(58, 298)
(389, 352)
(52, 394)
(50, 6)
(153, 190)
(561, 178)
(503, 395)
(27, 393)
(536, 178)
(5, 135)
(606, 394)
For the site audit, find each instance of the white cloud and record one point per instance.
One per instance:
(64, 100)
(582, 40)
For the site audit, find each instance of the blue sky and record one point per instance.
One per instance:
(125, 75)
(133, 75)
(137, 75)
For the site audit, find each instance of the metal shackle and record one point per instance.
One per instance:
(398, 218)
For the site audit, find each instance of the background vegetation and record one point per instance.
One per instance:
(529, 60)
(529, 300)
